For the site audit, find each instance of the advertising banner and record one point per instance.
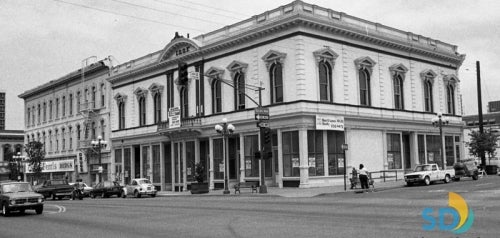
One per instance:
(54, 166)
(174, 117)
(329, 123)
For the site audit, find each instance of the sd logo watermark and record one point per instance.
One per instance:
(462, 216)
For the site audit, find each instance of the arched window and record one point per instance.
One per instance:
(427, 77)
(71, 104)
(216, 96)
(121, 115)
(142, 111)
(398, 92)
(103, 95)
(364, 87)
(276, 80)
(239, 90)
(184, 102)
(63, 102)
(44, 112)
(39, 112)
(33, 116)
(57, 108)
(428, 96)
(450, 99)
(50, 110)
(325, 81)
(78, 101)
(94, 92)
(157, 107)
(28, 117)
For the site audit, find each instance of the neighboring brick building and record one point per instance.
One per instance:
(328, 79)
(2, 110)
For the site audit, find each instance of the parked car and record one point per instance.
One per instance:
(19, 196)
(84, 187)
(55, 189)
(106, 189)
(466, 169)
(139, 187)
(428, 173)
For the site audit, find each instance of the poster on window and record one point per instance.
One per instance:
(329, 123)
(188, 171)
(341, 162)
(312, 162)
(248, 164)
(295, 162)
(174, 117)
(430, 157)
(390, 158)
(221, 167)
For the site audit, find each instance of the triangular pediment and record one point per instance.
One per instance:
(273, 55)
(237, 65)
(398, 68)
(178, 47)
(428, 73)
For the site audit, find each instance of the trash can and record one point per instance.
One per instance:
(491, 169)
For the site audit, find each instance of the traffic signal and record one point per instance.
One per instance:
(183, 73)
(257, 154)
(267, 136)
(267, 143)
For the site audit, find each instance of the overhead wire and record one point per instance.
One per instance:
(168, 12)
(200, 10)
(130, 16)
(216, 8)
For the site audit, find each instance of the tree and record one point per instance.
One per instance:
(482, 143)
(35, 153)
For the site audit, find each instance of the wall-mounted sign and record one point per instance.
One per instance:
(174, 117)
(329, 123)
(312, 162)
(54, 166)
(295, 162)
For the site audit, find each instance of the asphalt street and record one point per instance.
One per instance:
(395, 212)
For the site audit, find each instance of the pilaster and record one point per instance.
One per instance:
(300, 71)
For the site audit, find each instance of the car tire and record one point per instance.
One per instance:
(22, 211)
(153, 195)
(475, 177)
(54, 196)
(39, 210)
(137, 194)
(409, 184)
(427, 181)
(119, 195)
(447, 178)
(92, 195)
(103, 195)
(5, 210)
(456, 179)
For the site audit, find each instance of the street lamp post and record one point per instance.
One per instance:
(344, 148)
(18, 159)
(98, 144)
(225, 129)
(439, 121)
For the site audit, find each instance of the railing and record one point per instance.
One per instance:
(383, 175)
(185, 122)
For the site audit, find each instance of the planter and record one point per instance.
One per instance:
(199, 188)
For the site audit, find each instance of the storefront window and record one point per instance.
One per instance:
(118, 164)
(218, 159)
(156, 164)
(251, 163)
(190, 160)
(450, 155)
(336, 161)
(394, 151)
(146, 169)
(315, 153)
(127, 167)
(421, 149)
(433, 150)
(291, 159)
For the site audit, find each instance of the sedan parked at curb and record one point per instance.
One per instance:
(106, 189)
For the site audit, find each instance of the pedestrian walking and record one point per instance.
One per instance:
(363, 176)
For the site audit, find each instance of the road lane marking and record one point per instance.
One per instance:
(60, 209)
(483, 184)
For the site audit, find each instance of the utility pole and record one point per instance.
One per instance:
(480, 109)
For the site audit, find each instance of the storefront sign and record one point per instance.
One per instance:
(341, 162)
(390, 158)
(54, 166)
(248, 164)
(221, 167)
(312, 162)
(174, 117)
(430, 157)
(329, 123)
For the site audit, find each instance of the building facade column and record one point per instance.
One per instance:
(304, 162)
(162, 166)
(211, 157)
(241, 174)
(279, 176)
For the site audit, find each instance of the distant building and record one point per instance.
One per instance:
(2, 110)
(494, 106)
(491, 122)
(66, 114)
(11, 142)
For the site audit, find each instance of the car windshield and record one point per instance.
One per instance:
(144, 181)
(16, 187)
(423, 168)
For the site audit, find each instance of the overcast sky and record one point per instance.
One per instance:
(43, 40)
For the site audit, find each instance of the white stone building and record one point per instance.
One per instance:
(380, 86)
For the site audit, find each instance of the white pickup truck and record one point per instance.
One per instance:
(428, 173)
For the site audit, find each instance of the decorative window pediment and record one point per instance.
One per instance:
(155, 89)
(327, 55)
(273, 56)
(214, 73)
(140, 92)
(429, 75)
(398, 70)
(365, 63)
(237, 66)
(451, 79)
(120, 97)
